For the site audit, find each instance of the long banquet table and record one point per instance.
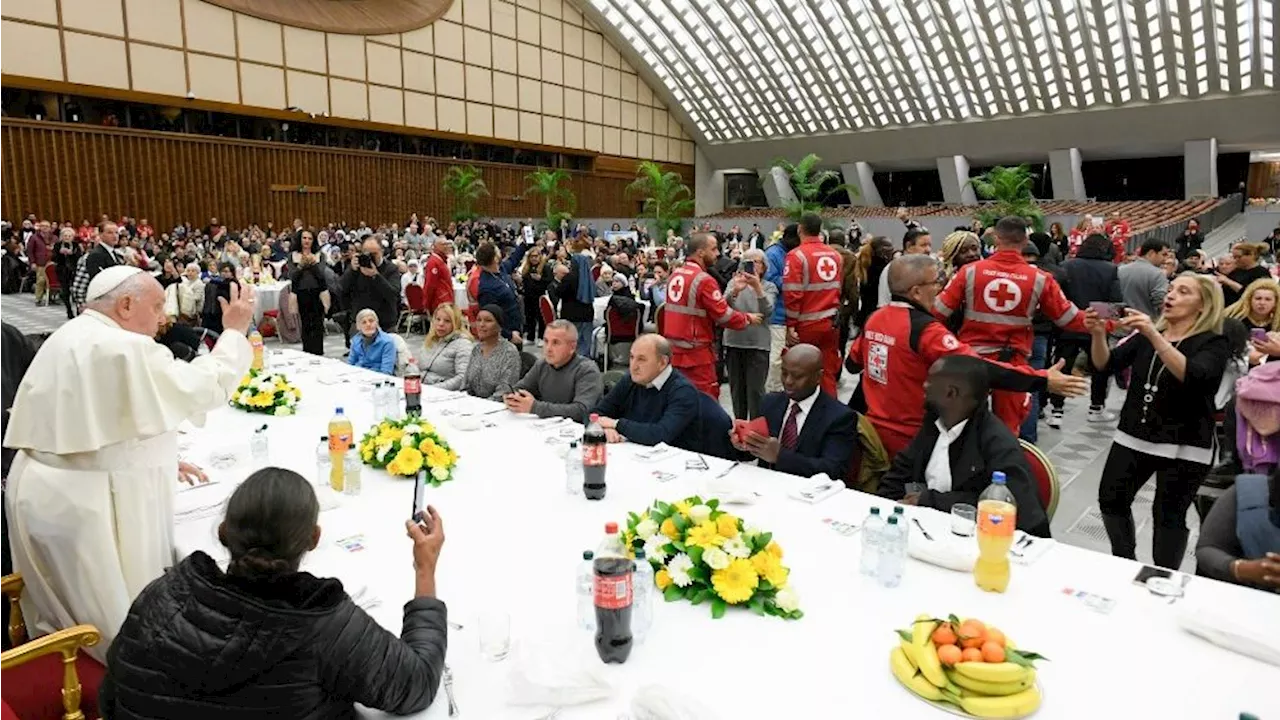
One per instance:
(514, 539)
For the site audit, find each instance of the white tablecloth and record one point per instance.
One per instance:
(460, 295)
(268, 298)
(515, 538)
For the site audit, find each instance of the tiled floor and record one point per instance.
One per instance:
(1078, 450)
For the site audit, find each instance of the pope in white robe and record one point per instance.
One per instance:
(90, 493)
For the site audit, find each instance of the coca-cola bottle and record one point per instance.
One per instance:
(593, 459)
(412, 388)
(613, 592)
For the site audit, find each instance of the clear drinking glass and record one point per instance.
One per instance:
(495, 635)
(964, 519)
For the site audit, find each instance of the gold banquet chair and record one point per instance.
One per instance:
(47, 678)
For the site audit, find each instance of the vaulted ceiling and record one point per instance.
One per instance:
(749, 70)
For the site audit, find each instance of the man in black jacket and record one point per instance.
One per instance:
(374, 283)
(959, 446)
(102, 255)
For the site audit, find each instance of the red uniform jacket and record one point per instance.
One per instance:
(437, 284)
(894, 352)
(811, 283)
(694, 307)
(473, 292)
(999, 297)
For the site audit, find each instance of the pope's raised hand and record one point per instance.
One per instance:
(237, 312)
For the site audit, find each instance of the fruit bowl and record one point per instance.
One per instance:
(966, 668)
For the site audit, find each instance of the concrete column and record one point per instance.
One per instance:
(777, 186)
(708, 186)
(954, 172)
(1064, 169)
(862, 176)
(1200, 167)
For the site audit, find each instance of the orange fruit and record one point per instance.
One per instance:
(944, 635)
(992, 652)
(995, 636)
(971, 655)
(950, 654)
(972, 634)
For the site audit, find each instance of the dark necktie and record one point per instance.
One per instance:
(790, 432)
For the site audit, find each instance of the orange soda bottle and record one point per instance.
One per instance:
(997, 519)
(340, 438)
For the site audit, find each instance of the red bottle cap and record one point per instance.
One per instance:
(611, 528)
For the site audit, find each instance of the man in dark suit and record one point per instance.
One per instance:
(810, 432)
(959, 446)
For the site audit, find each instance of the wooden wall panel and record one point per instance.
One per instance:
(72, 172)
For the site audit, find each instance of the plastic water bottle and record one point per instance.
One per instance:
(573, 469)
(872, 538)
(893, 553)
(642, 609)
(585, 589)
(323, 462)
(258, 448)
(351, 472)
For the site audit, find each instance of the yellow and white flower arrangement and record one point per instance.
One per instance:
(266, 392)
(404, 447)
(702, 554)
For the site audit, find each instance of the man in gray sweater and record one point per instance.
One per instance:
(563, 383)
(1143, 282)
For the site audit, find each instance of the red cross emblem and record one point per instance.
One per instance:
(827, 268)
(1002, 295)
(675, 289)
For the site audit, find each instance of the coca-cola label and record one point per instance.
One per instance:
(613, 592)
(593, 455)
(412, 385)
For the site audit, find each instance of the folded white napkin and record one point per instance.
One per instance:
(729, 492)
(819, 488)
(1028, 554)
(657, 702)
(465, 422)
(555, 677)
(661, 451)
(1246, 636)
(958, 553)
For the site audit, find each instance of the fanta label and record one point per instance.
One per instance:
(996, 524)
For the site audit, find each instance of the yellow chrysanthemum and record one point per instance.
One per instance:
(704, 536)
(683, 507)
(366, 454)
(668, 528)
(770, 568)
(437, 458)
(453, 457)
(727, 525)
(736, 583)
(426, 446)
(427, 428)
(774, 549)
(409, 460)
(662, 579)
(394, 433)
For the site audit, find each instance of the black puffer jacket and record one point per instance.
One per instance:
(1090, 277)
(198, 643)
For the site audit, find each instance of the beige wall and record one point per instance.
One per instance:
(532, 71)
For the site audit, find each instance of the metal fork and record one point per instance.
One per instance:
(448, 690)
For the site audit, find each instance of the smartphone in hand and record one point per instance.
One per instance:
(420, 514)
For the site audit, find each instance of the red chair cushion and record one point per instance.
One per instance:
(6, 712)
(1040, 473)
(33, 690)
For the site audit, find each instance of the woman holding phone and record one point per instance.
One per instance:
(1257, 310)
(1166, 426)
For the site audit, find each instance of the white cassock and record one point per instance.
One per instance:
(90, 493)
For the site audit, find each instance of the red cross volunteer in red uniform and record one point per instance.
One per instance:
(999, 297)
(903, 339)
(811, 295)
(439, 282)
(693, 309)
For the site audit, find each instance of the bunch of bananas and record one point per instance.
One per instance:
(985, 690)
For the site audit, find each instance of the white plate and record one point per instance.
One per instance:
(956, 710)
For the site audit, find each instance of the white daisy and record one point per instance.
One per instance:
(654, 548)
(736, 547)
(383, 451)
(412, 429)
(715, 558)
(679, 568)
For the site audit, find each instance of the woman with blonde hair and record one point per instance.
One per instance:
(1256, 307)
(446, 351)
(1166, 426)
(959, 249)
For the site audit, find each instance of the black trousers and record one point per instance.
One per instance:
(533, 320)
(65, 278)
(1067, 350)
(1177, 481)
(311, 316)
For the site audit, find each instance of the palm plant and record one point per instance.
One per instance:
(1009, 190)
(466, 186)
(811, 186)
(667, 200)
(558, 200)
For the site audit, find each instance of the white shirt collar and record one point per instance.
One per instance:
(806, 404)
(937, 471)
(661, 380)
(949, 436)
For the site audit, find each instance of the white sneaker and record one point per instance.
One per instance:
(1101, 415)
(1055, 418)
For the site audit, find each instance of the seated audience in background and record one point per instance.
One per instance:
(656, 404)
(810, 432)
(264, 639)
(190, 295)
(562, 383)
(1240, 537)
(746, 351)
(494, 368)
(371, 348)
(960, 445)
(446, 351)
